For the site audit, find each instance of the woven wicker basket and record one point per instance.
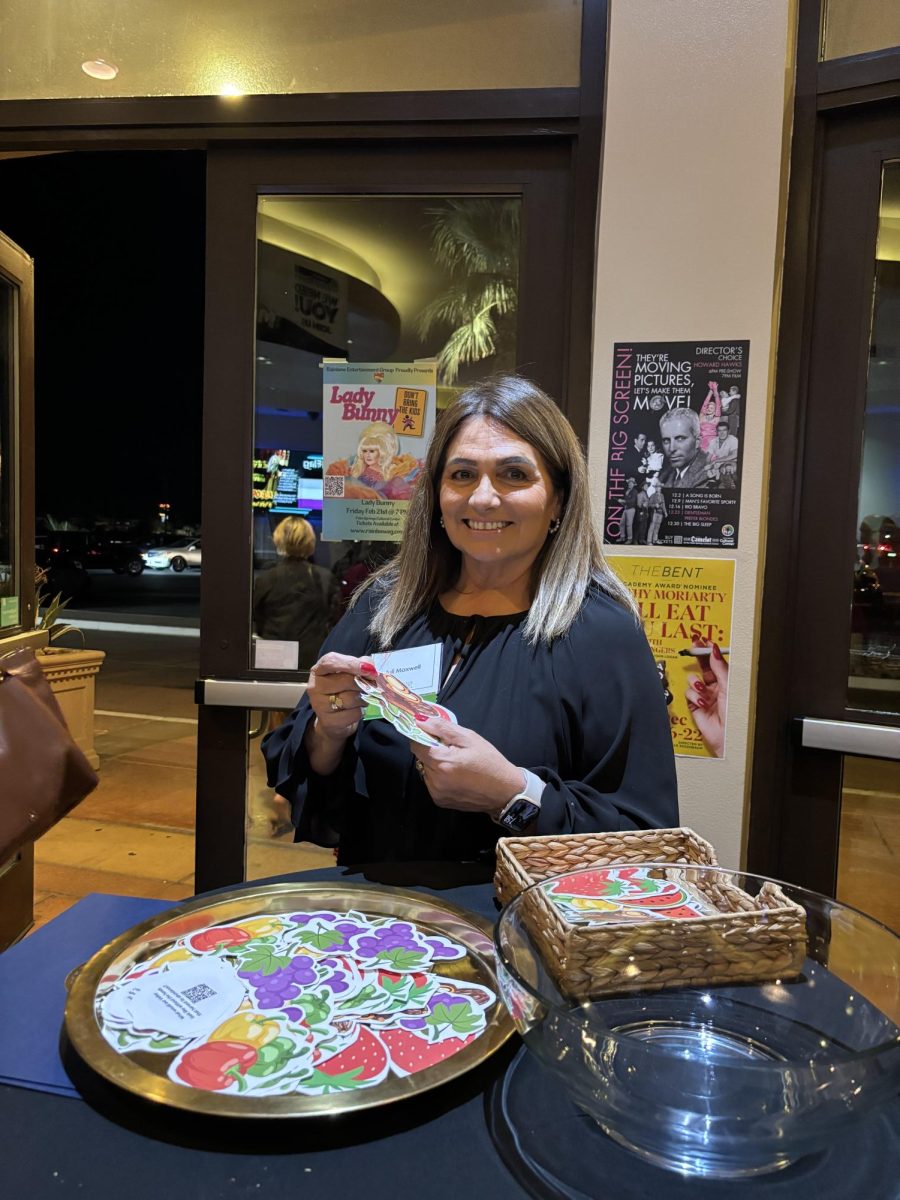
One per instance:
(523, 861)
(749, 939)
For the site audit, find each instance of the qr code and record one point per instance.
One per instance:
(333, 486)
(677, 540)
(200, 991)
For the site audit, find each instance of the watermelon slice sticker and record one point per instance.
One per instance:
(601, 895)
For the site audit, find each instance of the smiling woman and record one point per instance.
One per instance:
(562, 724)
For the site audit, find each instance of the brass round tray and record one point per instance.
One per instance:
(144, 1074)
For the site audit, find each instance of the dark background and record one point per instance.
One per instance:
(118, 243)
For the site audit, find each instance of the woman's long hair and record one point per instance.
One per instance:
(570, 561)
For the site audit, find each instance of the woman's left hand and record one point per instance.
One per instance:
(465, 771)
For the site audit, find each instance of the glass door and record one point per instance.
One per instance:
(837, 826)
(374, 255)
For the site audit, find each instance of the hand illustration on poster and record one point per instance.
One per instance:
(686, 608)
(676, 443)
(377, 422)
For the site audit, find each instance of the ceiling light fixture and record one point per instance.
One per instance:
(98, 68)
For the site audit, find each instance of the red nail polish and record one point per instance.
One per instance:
(368, 668)
(421, 717)
(698, 686)
(717, 653)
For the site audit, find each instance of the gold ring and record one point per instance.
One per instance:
(336, 702)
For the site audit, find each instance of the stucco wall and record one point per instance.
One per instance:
(690, 239)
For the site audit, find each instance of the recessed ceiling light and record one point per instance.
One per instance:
(98, 68)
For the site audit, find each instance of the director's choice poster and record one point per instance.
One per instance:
(686, 606)
(676, 443)
(377, 419)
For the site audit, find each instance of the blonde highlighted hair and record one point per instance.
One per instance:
(571, 560)
(294, 538)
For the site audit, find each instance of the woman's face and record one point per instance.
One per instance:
(371, 455)
(651, 447)
(496, 495)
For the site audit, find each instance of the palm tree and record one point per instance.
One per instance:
(477, 240)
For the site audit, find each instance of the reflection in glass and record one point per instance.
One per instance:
(875, 626)
(387, 279)
(859, 26)
(273, 47)
(868, 871)
(9, 603)
(367, 279)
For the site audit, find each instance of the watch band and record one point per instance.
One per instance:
(525, 806)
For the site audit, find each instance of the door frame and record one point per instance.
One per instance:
(538, 171)
(795, 793)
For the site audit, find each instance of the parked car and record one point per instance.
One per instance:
(178, 557)
(64, 574)
(94, 551)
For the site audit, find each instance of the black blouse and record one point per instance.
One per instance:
(587, 714)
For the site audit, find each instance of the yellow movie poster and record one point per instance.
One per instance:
(686, 606)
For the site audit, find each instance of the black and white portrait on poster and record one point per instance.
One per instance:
(676, 443)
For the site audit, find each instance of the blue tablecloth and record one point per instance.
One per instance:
(468, 1140)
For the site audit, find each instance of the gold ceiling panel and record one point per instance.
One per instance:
(84, 48)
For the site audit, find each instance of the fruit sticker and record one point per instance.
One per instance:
(389, 698)
(604, 895)
(306, 1002)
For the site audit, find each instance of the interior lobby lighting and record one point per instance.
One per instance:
(98, 68)
(230, 90)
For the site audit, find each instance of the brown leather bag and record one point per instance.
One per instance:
(43, 774)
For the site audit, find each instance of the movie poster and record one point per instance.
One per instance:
(686, 606)
(377, 420)
(676, 443)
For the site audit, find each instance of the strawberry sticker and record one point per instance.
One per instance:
(411, 1053)
(363, 1063)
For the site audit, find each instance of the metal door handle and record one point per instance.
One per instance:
(249, 693)
(850, 737)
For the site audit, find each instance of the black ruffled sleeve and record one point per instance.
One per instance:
(317, 801)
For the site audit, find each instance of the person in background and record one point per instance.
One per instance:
(563, 726)
(295, 601)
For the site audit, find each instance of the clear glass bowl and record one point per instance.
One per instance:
(713, 1079)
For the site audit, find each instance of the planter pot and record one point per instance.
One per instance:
(70, 674)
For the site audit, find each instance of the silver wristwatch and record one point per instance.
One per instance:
(524, 807)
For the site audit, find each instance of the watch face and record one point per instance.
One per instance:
(518, 815)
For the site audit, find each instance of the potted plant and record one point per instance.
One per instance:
(70, 671)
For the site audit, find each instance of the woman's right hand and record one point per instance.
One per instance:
(334, 696)
(338, 705)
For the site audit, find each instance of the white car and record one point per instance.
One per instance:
(185, 554)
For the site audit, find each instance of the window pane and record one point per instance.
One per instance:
(10, 589)
(869, 857)
(859, 26)
(273, 47)
(366, 278)
(875, 629)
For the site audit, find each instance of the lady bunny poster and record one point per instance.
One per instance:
(377, 420)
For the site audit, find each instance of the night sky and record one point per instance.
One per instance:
(118, 244)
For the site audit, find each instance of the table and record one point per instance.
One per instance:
(465, 1141)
